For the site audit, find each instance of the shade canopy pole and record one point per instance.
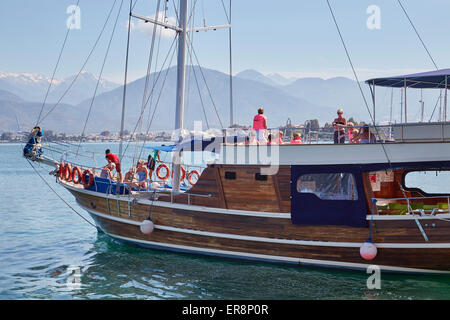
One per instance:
(445, 104)
(406, 117)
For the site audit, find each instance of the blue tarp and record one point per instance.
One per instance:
(211, 145)
(424, 80)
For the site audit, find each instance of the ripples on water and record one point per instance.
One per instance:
(42, 239)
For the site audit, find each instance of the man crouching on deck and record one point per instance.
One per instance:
(114, 158)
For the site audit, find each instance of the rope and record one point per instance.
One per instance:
(122, 120)
(82, 67)
(54, 71)
(418, 35)
(59, 195)
(357, 80)
(99, 78)
(204, 79)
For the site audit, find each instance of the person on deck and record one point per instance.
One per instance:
(130, 177)
(339, 133)
(260, 125)
(115, 159)
(142, 173)
(33, 148)
(297, 139)
(107, 171)
(280, 138)
(365, 136)
(270, 140)
(153, 157)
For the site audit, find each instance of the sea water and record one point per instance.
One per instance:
(48, 252)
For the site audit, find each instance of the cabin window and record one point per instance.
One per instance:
(260, 177)
(329, 186)
(230, 175)
(427, 181)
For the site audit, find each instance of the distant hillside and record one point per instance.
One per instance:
(248, 95)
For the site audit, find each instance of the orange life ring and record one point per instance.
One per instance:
(84, 178)
(183, 173)
(67, 172)
(61, 170)
(159, 169)
(190, 176)
(76, 173)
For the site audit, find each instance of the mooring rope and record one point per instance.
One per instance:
(59, 195)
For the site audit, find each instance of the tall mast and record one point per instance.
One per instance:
(179, 113)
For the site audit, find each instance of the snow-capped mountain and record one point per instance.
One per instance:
(33, 87)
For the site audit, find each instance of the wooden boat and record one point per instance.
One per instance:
(306, 204)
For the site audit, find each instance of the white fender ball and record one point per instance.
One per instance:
(147, 226)
(368, 250)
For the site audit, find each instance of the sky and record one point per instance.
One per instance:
(295, 38)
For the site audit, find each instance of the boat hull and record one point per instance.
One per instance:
(270, 237)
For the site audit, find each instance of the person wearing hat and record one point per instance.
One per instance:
(339, 133)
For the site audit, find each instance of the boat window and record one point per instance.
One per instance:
(260, 177)
(428, 181)
(230, 175)
(329, 186)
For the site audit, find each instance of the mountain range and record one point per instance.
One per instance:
(299, 100)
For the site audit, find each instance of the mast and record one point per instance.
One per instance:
(179, 113)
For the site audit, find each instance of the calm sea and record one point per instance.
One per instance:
(44, 244)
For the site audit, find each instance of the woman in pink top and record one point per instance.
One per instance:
(260, 125)
(297, 139)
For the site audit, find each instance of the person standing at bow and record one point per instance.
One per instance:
(260, 125)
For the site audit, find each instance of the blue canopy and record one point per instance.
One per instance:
(162, 148)
(424, 80)
(211, 145)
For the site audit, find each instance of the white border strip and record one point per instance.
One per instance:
(271, 258)
(275, 240)
(240, 212)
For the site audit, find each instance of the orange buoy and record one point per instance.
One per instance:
(159, 169)
(61, 170)
(191, 174)
(67, 172)
(76, 175)
(84, 178)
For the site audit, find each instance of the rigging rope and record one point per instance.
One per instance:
(99, 77)
(62, 199)
(204, 79)
(418, 35)
(54, 71)
(147, 76)
(357, 80)
(82, 67)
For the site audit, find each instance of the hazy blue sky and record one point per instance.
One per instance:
(293, 37)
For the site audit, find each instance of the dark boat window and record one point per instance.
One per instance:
(329, 186)
(427, 181)
(230, 175)
(260, 177)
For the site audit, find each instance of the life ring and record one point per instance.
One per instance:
(183, 173)
(76, 175)
(190, 175)
(159, 169)
(61, 170)
(87, 184)
(67, 172)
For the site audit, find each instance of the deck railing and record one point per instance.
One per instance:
(412, 205)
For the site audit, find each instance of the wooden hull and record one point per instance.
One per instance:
(270, 236)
